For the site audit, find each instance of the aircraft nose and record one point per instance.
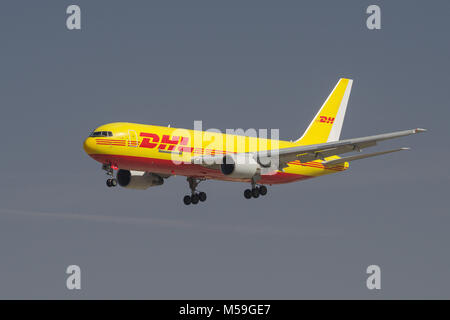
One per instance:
(89, 145)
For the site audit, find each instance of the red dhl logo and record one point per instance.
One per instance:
(152, 140)
(171, 144)
(325, 119)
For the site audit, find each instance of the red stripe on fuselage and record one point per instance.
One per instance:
(187, 169)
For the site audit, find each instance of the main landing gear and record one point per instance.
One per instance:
(255, 191)
(195, 197)
(111, 182)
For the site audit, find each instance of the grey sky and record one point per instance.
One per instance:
(232, 64)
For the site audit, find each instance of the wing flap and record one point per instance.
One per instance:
(361, 156)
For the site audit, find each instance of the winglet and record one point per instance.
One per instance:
(420, 130)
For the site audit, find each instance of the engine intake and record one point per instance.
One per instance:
(140, 180)
(239, 166)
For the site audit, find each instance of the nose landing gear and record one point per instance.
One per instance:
(111, 182)
(195, 197)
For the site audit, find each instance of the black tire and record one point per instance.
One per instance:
(247, 193)
(262, 190)
(194, 199)
(255, 192)
(108, 182)
(113, 182)
(187, 200)
(202, 196)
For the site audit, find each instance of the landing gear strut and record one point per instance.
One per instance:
(195, 197)
(255, 191)
(110, 182)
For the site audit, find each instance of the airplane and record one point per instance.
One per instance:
(145, 155)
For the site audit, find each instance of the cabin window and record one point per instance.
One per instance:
(101, 134)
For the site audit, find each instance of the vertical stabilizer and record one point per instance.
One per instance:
(327, 124)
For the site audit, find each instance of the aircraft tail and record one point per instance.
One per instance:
(327, 124)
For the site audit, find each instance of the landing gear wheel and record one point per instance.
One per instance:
(110, 182)
(262, 190)
(255, 192)
(202, 196)
(195, 198)
(187, 200)
(247, 193)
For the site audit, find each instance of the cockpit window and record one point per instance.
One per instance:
(101, 134)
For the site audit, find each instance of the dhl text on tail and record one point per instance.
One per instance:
(145, 155)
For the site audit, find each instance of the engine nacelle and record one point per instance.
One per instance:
(140, 180)
(241, 166)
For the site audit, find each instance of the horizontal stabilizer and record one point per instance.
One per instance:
(361, 156)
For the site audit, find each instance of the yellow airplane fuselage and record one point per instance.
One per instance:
(140, 147)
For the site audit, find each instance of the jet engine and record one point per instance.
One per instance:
(138, 179)
(241, 166)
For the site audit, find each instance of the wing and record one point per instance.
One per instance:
(324, 150)
(281, 157)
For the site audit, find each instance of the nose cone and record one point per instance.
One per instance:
(89, 145)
